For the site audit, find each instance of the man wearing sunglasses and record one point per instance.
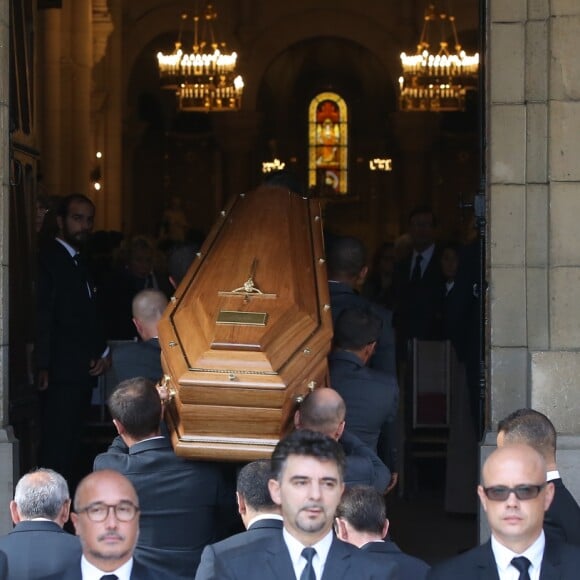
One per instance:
(530, 427)
(514, 495)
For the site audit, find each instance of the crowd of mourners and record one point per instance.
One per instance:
(315, 509)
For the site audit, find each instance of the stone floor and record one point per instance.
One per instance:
(422, 528)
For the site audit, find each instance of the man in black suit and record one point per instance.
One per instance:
(346, 261)
(38, 545)
(514, 495)
(417, 283)
(361, 520)
(530, 427)
(307, 482)
(261, 516)
(371, 396)
(70, 349)
(182, 502)
(324, 411)
(142, 359)
(106, 519)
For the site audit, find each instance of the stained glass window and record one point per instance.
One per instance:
(328, 144)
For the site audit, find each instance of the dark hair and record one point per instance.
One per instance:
(532, 428)
(420, 210)
(253, 485)
(179, 260)
(363, 507)
(135, 403)
(346, 256)
(309, 444)
(138, 244)
(356, 327)
(65, 203)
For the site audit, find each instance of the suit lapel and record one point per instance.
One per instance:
(337, 564)
(550, 569)
(486, 563)
(278, 559)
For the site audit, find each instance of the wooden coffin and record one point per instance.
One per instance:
(249, 328)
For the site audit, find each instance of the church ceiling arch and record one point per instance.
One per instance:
(264, 38)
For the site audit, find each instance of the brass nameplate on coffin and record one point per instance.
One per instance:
(245, 296)
(242, 318)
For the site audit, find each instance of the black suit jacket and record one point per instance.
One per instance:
(418, 304)
(562, 520)
(410, 568)
(363, 465)
(259, 530)
(3, 567)
(37, 548)
(138, 359)
(560, 562)
(69, 333)
(139, 572)
(342, 297)
(268, 559)
(372, 399)
(181, 502)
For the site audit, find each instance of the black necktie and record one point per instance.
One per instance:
(521, 563)
(416, 274)
(110, 577)
(308, 572)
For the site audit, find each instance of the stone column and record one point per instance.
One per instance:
(236, 135)
(49, 98)
(8, 450)
(534, 179)
(415, 133)
(106, 104)
(81, 63)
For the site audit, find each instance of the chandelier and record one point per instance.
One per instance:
(437, 81)
(204, 80)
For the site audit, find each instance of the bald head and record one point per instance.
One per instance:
(106, 519)
(515, 495)
(92, 484)
(323, 411)
(148, 307)
(505, 458)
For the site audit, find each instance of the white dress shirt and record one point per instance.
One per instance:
(91, 572)
(427, 254)
(298, 562)
(503, 557)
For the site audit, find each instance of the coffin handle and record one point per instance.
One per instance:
(166, 392)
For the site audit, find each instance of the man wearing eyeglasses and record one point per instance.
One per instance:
(106, 519)
(514, 495)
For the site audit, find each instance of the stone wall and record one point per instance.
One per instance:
(534, 196)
